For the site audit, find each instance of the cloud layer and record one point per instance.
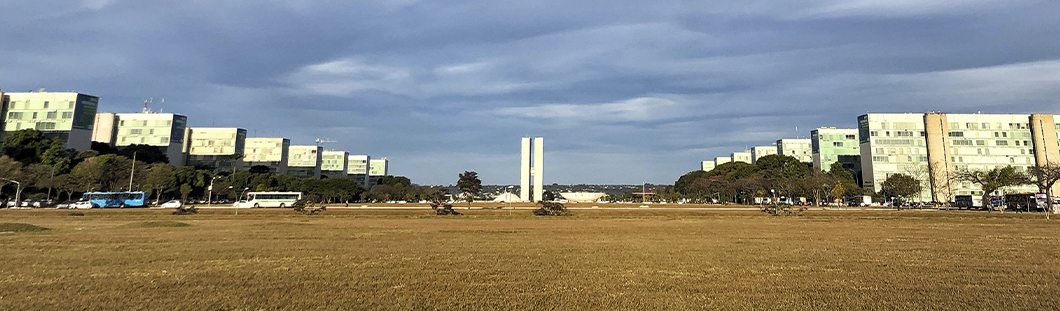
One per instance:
(623, 93)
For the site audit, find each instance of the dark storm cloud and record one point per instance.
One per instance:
(623, 92)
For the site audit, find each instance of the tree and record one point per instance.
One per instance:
(1045, 176)
(65, 183)
(990, 181)
(9, 168)
(901, 186)
(922, 174)
(259, 169)
(160, 178)
(470, 185)
(548, 196)
(840, 173)
(395, 180)
(185, 190)
(27, 145)
(818, 184)
(778, 165)
(145, 153)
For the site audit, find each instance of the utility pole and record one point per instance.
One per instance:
(132, 172)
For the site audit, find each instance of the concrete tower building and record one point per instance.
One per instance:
(531, 166)
(69, 116)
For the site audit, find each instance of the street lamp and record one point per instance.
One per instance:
(18, 190)
(209, 196)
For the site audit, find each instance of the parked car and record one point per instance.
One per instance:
(172, 204)
(64, 204)
(82, 204)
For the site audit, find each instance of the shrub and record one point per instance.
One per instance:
(303, 205)
(441, 209)
(186, 211)
(551, 209)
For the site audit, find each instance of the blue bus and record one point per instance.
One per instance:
(116, 199)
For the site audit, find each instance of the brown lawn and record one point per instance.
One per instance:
(596, 260)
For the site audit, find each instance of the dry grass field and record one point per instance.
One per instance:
(487, 260)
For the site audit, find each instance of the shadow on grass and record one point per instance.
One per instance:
(157, 224)
(20, 227)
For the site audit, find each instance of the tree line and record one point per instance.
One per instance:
(47, 171)
(784, 176)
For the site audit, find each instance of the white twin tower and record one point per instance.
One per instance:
(531, 168)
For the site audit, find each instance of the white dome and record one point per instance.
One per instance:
(507, 197)
(582, 196)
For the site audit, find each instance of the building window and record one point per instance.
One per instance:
(121, 123)
(34, 116)
(980, 143)
(852, 137)
(45, 104)
(52, 115)
(837, 143)
(151, 132)
(14, 115)
(70, 105)
(1001, 143)
(1004, 134)
(135, 131)
(68, 114)
(45, 125)
(956, 134)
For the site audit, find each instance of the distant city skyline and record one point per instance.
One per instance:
(641, 92)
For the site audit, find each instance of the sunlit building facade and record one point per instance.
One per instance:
(66, 115)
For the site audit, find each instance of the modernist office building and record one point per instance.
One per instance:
(760, 151)
(934, 146)
(718, 161)
(304, 161)
(271, 152)
(830, 145)
(377, 168)
(334, 163)
(357, 168)
(744, 157)
(798, 148)
(220, 148)
(164, 131)
(66, 115)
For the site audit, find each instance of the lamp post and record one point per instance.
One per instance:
(209, 196)
(18, 190)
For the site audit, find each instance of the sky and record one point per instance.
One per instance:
(623, 92)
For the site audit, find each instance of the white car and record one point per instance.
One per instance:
(81, 204)
(172, 204)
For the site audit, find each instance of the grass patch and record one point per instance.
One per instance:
(158, 224)
(635, 259)
(20, 227)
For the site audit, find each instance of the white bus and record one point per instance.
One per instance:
(269, 199)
